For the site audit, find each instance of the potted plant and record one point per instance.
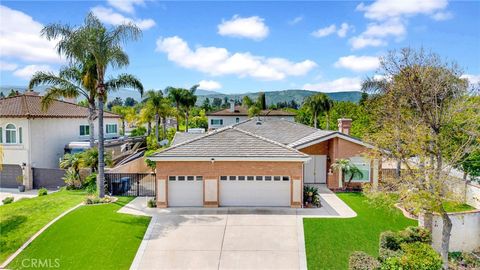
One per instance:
(21, 186)
(311, 197)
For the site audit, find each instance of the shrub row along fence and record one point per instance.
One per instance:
(131, 184)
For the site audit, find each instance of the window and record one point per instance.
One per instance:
(276, 178)
(84, 130)
(111, 128)
(364, 166)
(1, 135)
(259, 178)
(232, 178)
(181, 178)
(268, 178)
(216, 122)
(241, 178)
(20, 137)
(171, 178)
(237, 120)
(11, 134)
(285, 178)
(199, 178)
(190, 178)
(250, 178)
(223, 178)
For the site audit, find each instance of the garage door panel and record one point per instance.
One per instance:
(255, 193)
(9, 174)
(185, 193)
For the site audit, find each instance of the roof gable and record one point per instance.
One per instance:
(230, 142)
(30, 106)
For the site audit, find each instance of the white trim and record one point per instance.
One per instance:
(328, 137)
(299, 159)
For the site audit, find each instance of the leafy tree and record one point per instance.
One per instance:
(247, 101)
(124, 112)
(188, 102)
(426, 93)
(346, 168)
(13, 93)
(176, 96)
(93, 41)
(317, 104)
(199, 120)
(262, 101)
(130, 102)
(159, 106)
(217, 102)
(115, 102)
(206, 105)
(2, 95)
(89, 159)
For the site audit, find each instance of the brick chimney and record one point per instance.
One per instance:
(344, 125)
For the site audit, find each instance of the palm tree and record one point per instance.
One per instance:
(346, 167)
(327, 106)
(93, 39)
(176, 96)
(188, 102)
(314, 105)
(156, 104)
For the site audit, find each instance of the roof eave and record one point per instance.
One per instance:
(224, 158)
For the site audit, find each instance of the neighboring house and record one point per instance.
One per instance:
(33, 138)
(237, 114)
(262, 162)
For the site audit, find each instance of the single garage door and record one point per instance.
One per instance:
(8, 176)
(255, 191)
(185, 191)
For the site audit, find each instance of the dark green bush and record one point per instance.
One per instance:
(7, 200)
(385, 253)
(360, 260)
(90, 183)
(416, 234)
(139, 131)
(152, 203)
(42, 192)
(390, 240)
(416, 256)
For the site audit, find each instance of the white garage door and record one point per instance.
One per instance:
(185, 191)
(255, 191)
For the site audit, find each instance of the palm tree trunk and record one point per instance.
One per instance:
(123, 126)
(156, 127)
(315, 120)
(101, 160)
(328, 120)
(176, 116)
(164, 124)
(91, 124)
(149, 128)
(186, 121)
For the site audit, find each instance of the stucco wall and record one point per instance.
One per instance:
(135, 166)
(231, 120)
(465, 235)
(473, 195)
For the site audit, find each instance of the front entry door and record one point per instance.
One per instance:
(315, 170)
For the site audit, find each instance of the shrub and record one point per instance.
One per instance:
(139, 131)
(90, 183)
(72, 179)
(42, 192)
(416, 234)
(390, 240)
(7, 200)
(360, 260)
(416, 256)
(92, 199)
(152, 203)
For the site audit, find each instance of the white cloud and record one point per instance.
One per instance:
(127, 6)
(219, 61)
(472, 79)
(358, 63)
(295, 20)
(20, 38)
(108, 15)
(209, 85)
(6, 66)
(27, 71)
(391, 17)
(331, 29)
(384, 9)
(442, 16)
(248, 27)
(339, 85)
(326, 31)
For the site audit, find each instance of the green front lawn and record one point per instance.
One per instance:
(22, 219)
(91, 237)
(455, 207)
(330, 241)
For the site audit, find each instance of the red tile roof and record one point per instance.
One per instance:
(243, 111)
(29, 106)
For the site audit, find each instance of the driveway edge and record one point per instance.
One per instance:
(143, 244)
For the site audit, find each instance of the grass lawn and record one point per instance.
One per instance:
(22, 219)
(454, 207)
(91, 237)
(330, 241)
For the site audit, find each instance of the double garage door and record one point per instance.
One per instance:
(233, 191)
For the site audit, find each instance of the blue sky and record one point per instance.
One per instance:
(234, 47)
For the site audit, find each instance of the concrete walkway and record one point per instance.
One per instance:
(227, 237)
(13, 192)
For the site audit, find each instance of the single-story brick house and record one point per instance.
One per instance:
(258, 162)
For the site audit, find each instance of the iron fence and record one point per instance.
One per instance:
(131, 184)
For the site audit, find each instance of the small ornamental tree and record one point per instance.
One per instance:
(346, 168)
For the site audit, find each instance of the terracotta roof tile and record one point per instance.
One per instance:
(29, 106)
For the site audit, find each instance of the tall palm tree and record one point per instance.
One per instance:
(327, 105)
(176, 96)
(188, 102)
(156, 104)
(314, 105)
(105, 46)
(72, 82)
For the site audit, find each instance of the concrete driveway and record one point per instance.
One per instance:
(225, 238)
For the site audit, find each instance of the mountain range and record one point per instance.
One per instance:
(272, 97)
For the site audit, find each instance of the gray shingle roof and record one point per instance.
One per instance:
(181, 137)
(230, 142)
(280, 130)
(314, 136)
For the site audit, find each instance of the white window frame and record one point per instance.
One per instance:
(216, 119)
(185, 178)
(106, 129)
(85, 128)
(9, 130)
(360, 162)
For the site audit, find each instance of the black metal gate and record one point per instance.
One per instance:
(131, 184)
